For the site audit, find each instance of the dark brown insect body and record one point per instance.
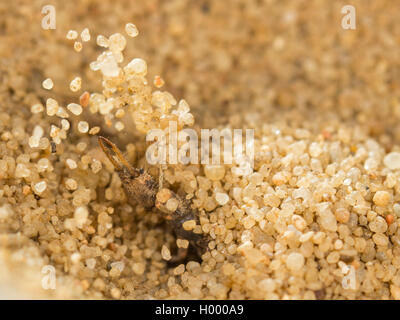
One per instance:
(145, 189)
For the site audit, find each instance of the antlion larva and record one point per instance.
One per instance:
(141, 186)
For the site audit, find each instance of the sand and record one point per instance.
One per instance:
(315, 218)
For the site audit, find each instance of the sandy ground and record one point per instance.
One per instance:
(322, 198)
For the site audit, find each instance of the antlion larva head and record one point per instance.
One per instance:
(138, 184)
